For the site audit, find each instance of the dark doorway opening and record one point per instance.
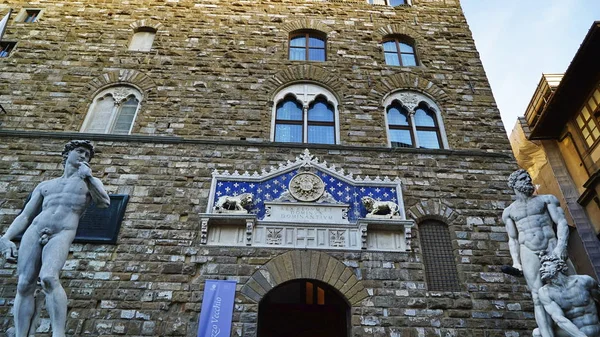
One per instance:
(303, 308)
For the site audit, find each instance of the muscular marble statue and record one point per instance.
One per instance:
(45, 244)
(529, 222)
(569, 300)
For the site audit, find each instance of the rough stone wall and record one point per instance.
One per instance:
(208, 83)
(211, 71)
(151, 282)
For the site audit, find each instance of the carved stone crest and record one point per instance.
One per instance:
(306, 186)
(409, 100)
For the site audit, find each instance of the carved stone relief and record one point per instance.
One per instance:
(306, 186)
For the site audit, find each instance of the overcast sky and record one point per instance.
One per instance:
(518, 40)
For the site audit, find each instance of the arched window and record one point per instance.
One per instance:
(428, 131)
(307, 46)
(289, 121)
(414, 120)
(438, 256)
(113, 111)
(305, 113)
(399, 51)
(400, 128)
(142, 39)
(393, 3)
(321, 123)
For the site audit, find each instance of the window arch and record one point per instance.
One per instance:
(414, 120)
(142, 39)
(393, 3)
(305, 113)
(400, 51)
(307, 45)
(438, 256)
(113, 110)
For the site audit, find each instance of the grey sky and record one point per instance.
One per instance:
(518, 40)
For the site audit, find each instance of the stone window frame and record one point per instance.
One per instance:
(306, 93)
(411, 100)
(401, 39)
(141, 30)
(120, 94)
(3, 44)
(23, 15)
(308, 33)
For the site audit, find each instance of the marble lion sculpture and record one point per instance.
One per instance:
(380, 207)
(233, 203)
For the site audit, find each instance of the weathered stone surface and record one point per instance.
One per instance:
(209, 82)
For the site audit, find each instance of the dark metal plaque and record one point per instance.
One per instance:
(102, 225)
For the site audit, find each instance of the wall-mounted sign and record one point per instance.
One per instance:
(217, 308)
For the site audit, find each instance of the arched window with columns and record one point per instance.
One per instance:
(414, 120)
(305, 113)
(113, 110)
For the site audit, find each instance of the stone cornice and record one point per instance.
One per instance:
(302, 146)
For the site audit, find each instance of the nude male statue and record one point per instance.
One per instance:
(529, 222)
(569, 300)
(45, 244)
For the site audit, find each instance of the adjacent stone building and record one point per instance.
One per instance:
(191, 101)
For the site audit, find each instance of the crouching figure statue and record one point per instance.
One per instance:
(569, 300)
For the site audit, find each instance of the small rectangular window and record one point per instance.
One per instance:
(6, 48)
(31, 15)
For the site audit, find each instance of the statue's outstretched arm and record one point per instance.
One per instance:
(562, 227)
(558, 316)
(513, 239)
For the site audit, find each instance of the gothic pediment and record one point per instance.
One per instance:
(307, 180)
(305, 203)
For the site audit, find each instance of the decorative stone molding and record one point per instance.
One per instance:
(123, 77)
(146, 23)
(312, 265)
(306, 24)
(304, 73)
(432, 209)
(245, 222)
(408, 81)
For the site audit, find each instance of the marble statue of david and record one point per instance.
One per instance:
(45, 244)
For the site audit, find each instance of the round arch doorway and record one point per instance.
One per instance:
(303, 308)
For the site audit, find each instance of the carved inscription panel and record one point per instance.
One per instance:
(306, 213)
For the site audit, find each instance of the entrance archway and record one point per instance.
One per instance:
(303, 308)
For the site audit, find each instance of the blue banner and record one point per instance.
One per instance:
(217, 308)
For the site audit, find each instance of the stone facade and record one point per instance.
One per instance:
(208, 86)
